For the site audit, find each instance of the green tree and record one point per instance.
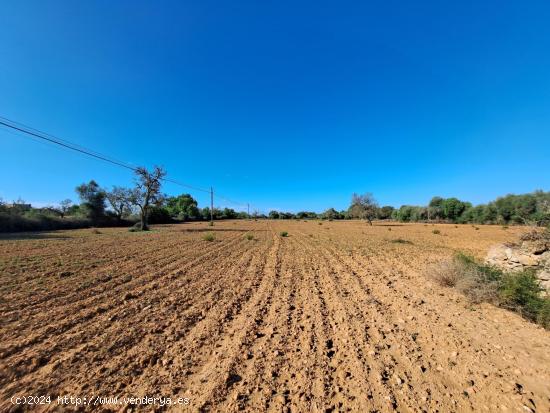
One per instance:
(273, 214)
(229, 213)
(331, 213)
(405, 213)
(147, 192)
(93, 200)
(453, 208)
(65, 206)
(435, 208)
(385, 212)
(183, 207)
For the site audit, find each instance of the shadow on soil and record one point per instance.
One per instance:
(214, 229)
(30, 235)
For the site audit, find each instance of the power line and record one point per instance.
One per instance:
(66, 145)
(32, 132)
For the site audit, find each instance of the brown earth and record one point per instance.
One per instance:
(334, 317)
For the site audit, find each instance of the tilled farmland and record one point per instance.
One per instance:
(333, 317)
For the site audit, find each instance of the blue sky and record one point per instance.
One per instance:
(284, 104)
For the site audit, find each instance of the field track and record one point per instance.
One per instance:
(334, 317)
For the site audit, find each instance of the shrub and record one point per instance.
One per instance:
(436, 231)
(284, 234)
(11, 222)
(249, 237)
(209, 237)
(521, 292)
(543, 316)
(158, 215)
(517, 291)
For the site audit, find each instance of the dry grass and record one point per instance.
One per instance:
(517, 291)
(209, 237)
(476, 282)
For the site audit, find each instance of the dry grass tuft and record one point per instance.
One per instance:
(209, 237)
(478, 283)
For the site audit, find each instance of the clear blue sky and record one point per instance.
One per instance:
(284, 104)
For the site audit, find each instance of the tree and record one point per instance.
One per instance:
(229, 213)
(273, 214)
(119, 199)
(435, 208)
(405, 213)
(65, 206)
(453, 208)
(331, 213)
(146, 192)
(363, 207)
(306, 214)
(93, 200)
(183, 206)
(385, 212)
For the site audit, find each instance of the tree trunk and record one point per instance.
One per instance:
(143, 217)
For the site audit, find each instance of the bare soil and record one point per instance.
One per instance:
(334, 317)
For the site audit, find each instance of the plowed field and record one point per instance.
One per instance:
(334, 317)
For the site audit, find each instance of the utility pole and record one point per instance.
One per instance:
(211, 206)
(248, 210)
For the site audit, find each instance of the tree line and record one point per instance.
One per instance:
(140, 205)
(145, 204)
(526, 209)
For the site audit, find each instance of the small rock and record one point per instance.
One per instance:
(469, 391)
(527, 260)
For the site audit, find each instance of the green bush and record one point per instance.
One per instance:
(249, 237)
(521, 292)
(10, 222)
(284, 234)
(436, 231)
(517, 291)
(209, 237)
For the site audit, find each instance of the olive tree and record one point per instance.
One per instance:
(119, 199)
(363, 207)
(146, 193)
(93, 200)
(65, 206)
